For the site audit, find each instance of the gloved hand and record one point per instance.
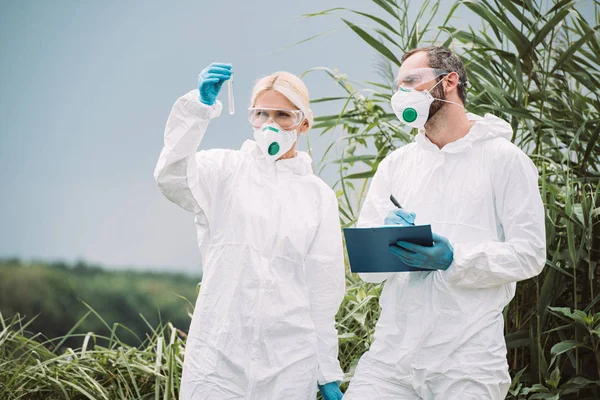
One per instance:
(331, 391)
(439, 256)
(400, 217)
(210, 81)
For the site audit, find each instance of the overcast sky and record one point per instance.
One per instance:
(85, 90)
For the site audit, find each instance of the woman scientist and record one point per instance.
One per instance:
(273, 268)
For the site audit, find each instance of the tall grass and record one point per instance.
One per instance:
(32, 367)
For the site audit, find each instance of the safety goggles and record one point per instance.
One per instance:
(286, 119)
(415, 77)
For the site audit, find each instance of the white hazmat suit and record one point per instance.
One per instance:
(440, 335)
(273, 266)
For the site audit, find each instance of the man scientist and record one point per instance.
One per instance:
(440, 335)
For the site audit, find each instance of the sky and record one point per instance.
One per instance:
(85, 91)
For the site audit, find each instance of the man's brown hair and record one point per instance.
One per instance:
(441, 58)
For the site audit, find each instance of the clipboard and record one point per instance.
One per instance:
(368, 248)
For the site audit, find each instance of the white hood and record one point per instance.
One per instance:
(485, 128)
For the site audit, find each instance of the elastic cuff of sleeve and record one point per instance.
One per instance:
(193, 103)
(323, 379)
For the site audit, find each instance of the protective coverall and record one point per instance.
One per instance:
(440, 334)
(273, 266)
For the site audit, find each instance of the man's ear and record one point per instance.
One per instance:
(452, 81)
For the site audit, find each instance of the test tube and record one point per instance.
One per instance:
(230, 95)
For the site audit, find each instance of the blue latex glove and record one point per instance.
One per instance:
(331, 391)
(400, 217)
(211, 80)
(439, 256)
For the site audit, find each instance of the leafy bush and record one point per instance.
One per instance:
(53, 298)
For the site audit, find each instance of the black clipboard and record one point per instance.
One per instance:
(368, 248)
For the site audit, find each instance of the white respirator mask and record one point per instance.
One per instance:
(273, 141)
(412, 106)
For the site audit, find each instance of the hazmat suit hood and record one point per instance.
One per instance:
(485, 128)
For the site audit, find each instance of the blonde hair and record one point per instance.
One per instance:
(288, 85)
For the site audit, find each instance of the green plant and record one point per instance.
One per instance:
(53, 294)
(30, 370)
(356, 321)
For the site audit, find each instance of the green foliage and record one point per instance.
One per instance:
(54, 297)
(356, 321)
(29, 369)
(537, 65)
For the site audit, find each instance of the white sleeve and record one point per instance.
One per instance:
(374, 210)
(189, 179)
(325, 277)
(520, 212)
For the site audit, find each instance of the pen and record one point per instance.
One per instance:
(393, 199)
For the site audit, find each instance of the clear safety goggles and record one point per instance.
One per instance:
(286, 119)
(415, 77)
